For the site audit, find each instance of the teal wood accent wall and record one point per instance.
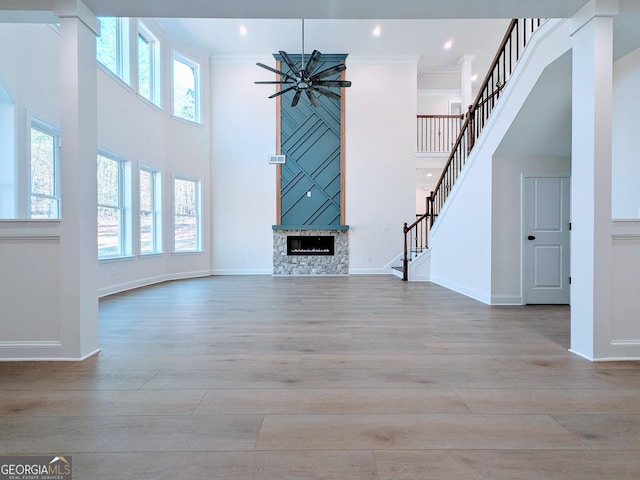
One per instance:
(310, 139)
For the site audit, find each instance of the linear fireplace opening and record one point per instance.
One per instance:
(310, 245)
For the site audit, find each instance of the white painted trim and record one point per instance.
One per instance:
(238, 271)
(575, 352)
(369, 271)
(51, 359)
(479, 296)
(382, 59)
(145, 282)
(506, 299)
(31, 344)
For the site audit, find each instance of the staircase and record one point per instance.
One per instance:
(416, 235)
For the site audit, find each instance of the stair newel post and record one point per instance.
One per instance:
(470, 116)
(405, 259)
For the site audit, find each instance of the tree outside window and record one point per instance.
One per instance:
(186, 95)
(45, 196)
(187, 215)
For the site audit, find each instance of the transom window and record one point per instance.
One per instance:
(186, 89)
(187, 230)
(112, 46)
(148, 65)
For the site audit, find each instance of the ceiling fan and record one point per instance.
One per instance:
(305, 78)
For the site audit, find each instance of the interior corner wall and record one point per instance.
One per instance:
(507, 234)
(380, 167)
(461, 240)
(625, 163)
(244, 183)
(152, 137)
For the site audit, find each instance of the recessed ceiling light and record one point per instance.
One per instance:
(474, 77)
(429, 174)
(448, 44)
(242, 30)
(377, 31)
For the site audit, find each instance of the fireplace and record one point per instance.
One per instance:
(311, 250)
(310, 245)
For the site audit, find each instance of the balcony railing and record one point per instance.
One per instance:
(513, 44)
(438, 133)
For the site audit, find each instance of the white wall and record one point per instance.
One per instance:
(462, 240)
(379, 173)
(436, 102)
(151, 136)
(626, 163)
(34, 91)
(244, 183)
(380, 168)
(127, 126)
(623, 325)
(507, 226)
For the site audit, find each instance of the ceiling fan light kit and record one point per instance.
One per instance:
(305, 79)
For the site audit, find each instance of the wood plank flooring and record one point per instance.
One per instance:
(333, 378)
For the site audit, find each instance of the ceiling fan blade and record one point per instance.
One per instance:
(296, 98)
(271, 69)
(327, 93)
(332, 83)
(286, 82)
(312, 98)
(289, 62)
(341, 67)
(312, 63)
(282, 92)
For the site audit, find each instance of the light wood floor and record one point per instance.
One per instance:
(341, 378)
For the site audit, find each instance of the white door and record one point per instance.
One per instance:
(546, 240)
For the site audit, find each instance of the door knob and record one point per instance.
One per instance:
(531, 237)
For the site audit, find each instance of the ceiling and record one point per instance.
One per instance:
(354, 9)
(410, 29)
(415, 29)
(421, 40)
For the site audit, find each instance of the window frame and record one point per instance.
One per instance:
(47, 129)
(197, 74)
(122, 50)
(123, 207)
(198, 215)
(155, 213)
(155, 84)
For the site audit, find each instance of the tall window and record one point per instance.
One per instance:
(150, 211)
(186, 89)
(148, 65)
(44, 172)
(113, 208)
(112, 46)
(187, 234)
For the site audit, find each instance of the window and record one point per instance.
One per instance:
(186, 89)
(113, 208)
(187, 215)
(112, 46)
(44, 172)
(148, 65)
(150, 211)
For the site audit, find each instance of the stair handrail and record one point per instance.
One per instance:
(513, 43)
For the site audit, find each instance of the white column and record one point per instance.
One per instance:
(466, 95)
(592, 41)
(78, 122)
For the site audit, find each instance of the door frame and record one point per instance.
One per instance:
(523, 243)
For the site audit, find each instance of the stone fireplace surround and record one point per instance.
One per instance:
(336, 264)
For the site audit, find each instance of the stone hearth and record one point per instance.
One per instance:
(336, 264)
